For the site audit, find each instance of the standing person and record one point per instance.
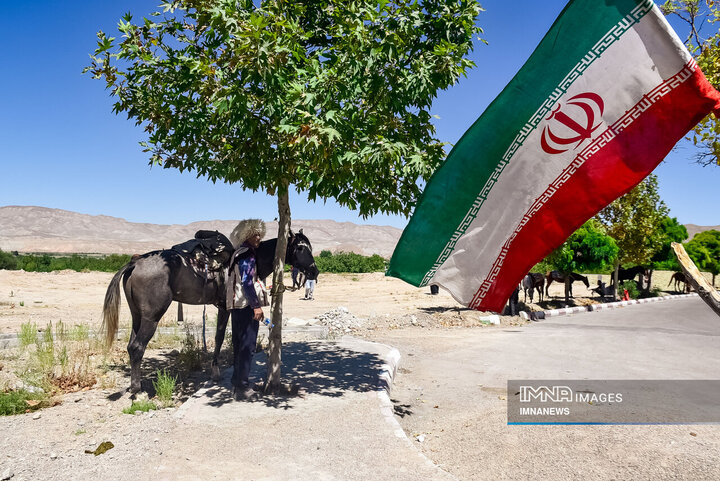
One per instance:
(244, 304)
(310, 286)
(295, 271)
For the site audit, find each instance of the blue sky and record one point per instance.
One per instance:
(62, 147)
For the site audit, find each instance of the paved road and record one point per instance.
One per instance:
(451, 389)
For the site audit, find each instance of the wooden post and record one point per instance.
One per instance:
(693, 276)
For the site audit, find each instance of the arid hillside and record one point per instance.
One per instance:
(40, 229)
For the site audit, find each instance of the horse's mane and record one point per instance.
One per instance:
(303, 238)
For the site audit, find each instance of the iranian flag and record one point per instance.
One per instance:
(604, 97)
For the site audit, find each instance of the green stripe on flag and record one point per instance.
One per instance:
(446, 207)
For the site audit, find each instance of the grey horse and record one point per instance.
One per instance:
(152, 281)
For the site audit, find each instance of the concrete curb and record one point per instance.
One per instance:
(386, 379)
(538, 315)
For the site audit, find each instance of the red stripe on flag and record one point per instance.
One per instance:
(607, 174)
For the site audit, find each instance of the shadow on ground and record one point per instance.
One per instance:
(315, 368)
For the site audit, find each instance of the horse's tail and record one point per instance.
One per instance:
(112, 306)
(672, 278)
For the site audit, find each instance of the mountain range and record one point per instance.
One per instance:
(44, 230)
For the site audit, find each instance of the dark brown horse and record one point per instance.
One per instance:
(152, 281)
(631, 273)
(558, 276)
(679, 278)
(531, 282)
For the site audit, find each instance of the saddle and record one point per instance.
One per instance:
(207, 253)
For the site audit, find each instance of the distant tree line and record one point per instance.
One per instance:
(48, 263)
(634, 230)
(326, 262)
(349, 262)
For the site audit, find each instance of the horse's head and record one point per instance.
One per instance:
(585, 281)
(299, 254)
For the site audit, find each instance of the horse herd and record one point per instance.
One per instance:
(536, 281)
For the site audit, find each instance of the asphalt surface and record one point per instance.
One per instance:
(451, 390)
(450, 397)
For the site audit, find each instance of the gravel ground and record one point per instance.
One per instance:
(51, 444)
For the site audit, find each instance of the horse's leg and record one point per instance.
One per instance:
(223, 315)
(147, 308)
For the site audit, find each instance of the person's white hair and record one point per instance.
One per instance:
(245, 229)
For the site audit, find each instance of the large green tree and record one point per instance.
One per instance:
(327, 97)
(588, 249)
(634, 221)
(703, 41)
(665, 259)
(704, 250)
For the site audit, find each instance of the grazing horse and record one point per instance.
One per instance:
(631, 273)
(678, 278)
(153, 280)
(558, 276)
(532, 281)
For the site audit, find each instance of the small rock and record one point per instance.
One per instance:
(693, 434)
(420, 438)
(36, 416)
(7, 474)
(156, 440)
(492, 319)
(53, 455)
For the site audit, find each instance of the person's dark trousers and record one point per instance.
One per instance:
(244, 339)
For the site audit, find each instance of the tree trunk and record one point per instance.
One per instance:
(696, 279)
(568, 283)
(616, 274)
(649, 282)
(275, 342)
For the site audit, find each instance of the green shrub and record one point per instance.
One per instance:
(79, 332)
(164, 387)
(47, 263)
(143, 405)
(16, 402)
(349, 262)
(8, 261)
(28, 334)
(191, 354)
(632, 288)
(45, 352)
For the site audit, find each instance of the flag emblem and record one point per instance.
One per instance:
(590, 105)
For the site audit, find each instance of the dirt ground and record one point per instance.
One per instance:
(77, 298)
(85, 418)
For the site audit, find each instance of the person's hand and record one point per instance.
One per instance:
(258, 314)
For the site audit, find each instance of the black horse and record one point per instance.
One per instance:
(152, 281)
(558, 276)
(631, 273)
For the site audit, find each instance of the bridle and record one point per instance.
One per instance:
(298, 245)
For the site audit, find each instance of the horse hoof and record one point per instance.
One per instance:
(215, 373)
